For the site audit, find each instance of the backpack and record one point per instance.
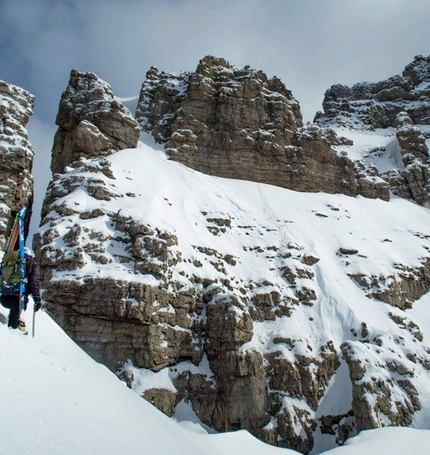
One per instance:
(10, 276)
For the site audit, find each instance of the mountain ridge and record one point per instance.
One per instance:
(265, 308)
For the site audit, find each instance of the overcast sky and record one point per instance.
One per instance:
(309, 44)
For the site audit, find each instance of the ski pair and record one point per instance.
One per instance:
(17, 234)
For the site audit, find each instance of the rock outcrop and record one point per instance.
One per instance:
(242, 352)
(376, 105)
(168, 315)
(400, 102)
(246, 304)
(383, 391)
(16, 155)
(149, 302)
(415, 177)
(91, 123)
(238, 123)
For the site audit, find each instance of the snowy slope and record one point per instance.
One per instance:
(270, 229)
(54, 400)
(174, 198)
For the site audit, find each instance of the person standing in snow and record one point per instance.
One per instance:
(32, 287)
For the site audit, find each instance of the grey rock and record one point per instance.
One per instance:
(415, 157)
(348, 251)
(401, 290)
(16, 156)
(401, 102)
(163, 399)
(190, 316)
(376, 105)
(237, 123)
(91, 122)
(372, 401)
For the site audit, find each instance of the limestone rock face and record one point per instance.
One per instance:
(91, 123)
(373, 394)
(16, 155)
(376, 105)
(415, 157)
(238, 123)
(163, 309)
(400, 289)
(179, 318)
(401, 103)
(258, 308)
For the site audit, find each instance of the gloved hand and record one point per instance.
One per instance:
(25, 301)
(37, 305)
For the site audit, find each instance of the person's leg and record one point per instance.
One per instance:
(11, 302)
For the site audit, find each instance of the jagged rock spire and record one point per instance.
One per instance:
(91, 122)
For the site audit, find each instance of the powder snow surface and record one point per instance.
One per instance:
(55, 400)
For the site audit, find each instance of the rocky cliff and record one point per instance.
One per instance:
(16, 155)
(297, 316)
(237, 299)
(91, 123)
(238, 123)
(376, 105)
(401, 103)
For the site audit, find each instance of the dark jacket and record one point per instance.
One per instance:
(32, 287)
(33, 279)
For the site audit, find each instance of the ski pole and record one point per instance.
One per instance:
(34, 323)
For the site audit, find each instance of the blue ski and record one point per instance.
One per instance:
(21, 222)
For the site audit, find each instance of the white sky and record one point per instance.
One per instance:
(309, 44)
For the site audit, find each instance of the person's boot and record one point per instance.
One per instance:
(21, 326)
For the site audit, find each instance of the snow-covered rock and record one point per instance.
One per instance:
(16, 155)
(376, 105)
(238, 123)
(58, 400)
(297, 315)
(375, 109)
(248, 301)
(300, 316)
(415, 157)
(91, 122)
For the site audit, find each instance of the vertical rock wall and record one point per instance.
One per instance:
(238, 123)
(140, 297)
(16, 155)
(91, 123)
